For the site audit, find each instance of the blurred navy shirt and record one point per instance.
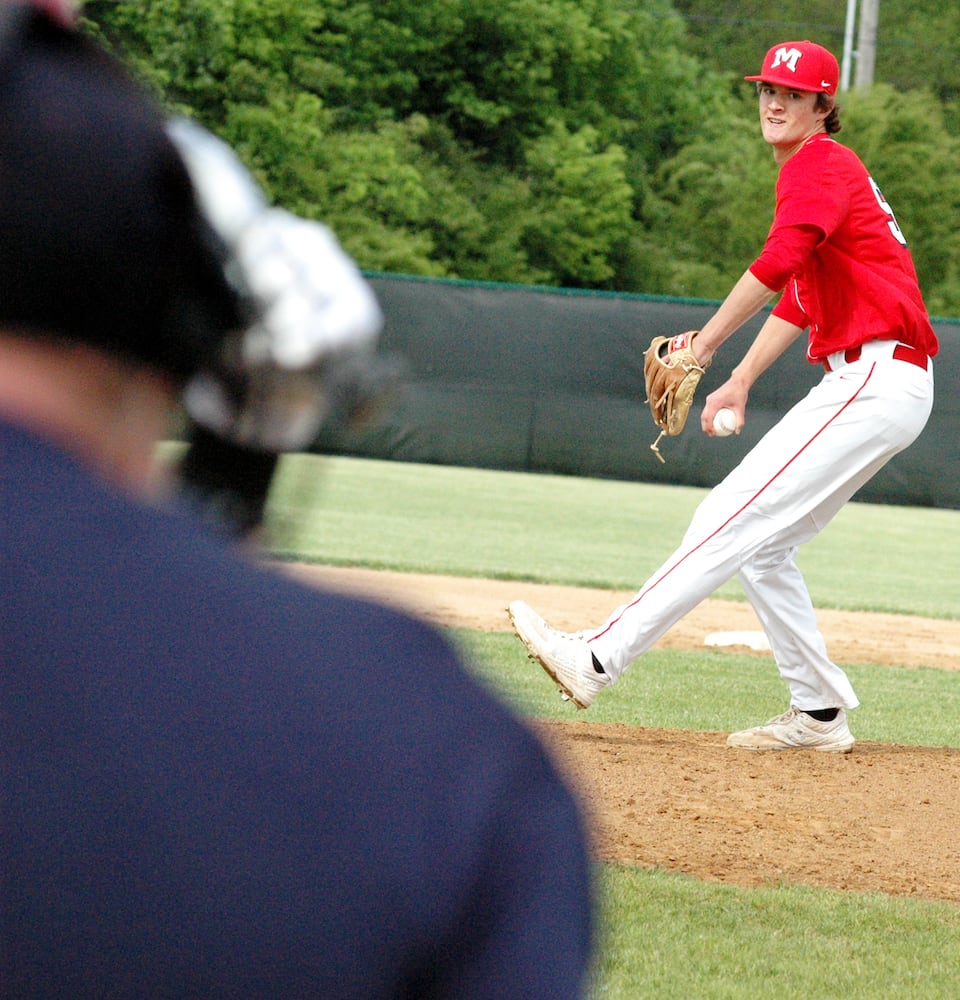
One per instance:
(219, 782)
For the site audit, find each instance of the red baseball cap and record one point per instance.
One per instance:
(801, 66)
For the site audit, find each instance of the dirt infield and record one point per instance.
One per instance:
(884, 818)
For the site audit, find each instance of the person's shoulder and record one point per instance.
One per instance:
(238, 613)
(821, 163)
(824, 152)
(381, 663)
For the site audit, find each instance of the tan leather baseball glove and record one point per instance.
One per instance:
(671, 373)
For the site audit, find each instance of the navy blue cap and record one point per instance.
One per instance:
(101, 239)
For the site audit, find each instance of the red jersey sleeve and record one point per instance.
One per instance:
(783, 254)
(789, 307)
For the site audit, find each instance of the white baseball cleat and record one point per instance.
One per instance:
(795, 730)
(565, 656)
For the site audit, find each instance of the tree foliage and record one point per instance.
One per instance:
(916, 39)
(590, 143)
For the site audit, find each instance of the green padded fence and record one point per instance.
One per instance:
(551, 380)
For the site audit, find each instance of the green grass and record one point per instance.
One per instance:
(662, 935)
(588, 532)
(671, 937)
(718, 690)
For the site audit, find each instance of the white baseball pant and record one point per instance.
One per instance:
(786, 489)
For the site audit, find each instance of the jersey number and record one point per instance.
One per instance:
(885, 206)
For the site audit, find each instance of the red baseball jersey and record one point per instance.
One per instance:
(838, 254)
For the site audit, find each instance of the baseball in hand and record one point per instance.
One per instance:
(725, 422)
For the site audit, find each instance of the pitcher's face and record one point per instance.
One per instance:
(788, 118)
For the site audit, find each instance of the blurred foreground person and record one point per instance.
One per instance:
(216, 781)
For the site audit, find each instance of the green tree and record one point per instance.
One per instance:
(555, 111)
(599, 143)
(711, 205)
(477, 212)
(182, 49)
(583, 205)
(361, 183)
(733, 35)
(916, 39)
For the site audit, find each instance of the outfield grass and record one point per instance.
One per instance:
(588, 532)
(663, 935)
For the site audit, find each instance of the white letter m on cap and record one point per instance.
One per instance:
(789, 56)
